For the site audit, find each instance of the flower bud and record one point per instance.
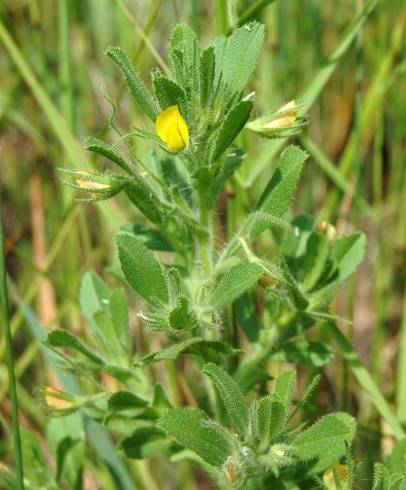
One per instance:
(268, 282)
(99, 186)
(282, 123)
(58, 402)
(231, 471)
(327, 229)
(172, 128)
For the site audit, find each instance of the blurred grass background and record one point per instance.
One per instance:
(53, 68)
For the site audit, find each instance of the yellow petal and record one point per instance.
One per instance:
(55, 399)
(287, 119)
(172, 128)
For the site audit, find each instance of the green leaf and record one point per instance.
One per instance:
(179, 317)
(315, 354)
(397, 459)
(247, 317)
(233, 123)
(241, 55)
(160, 401)
(62, 338)
(234, 283)
(141, 269)
(103, 149)
(347, 252)
(147, 201)
(193, 430)
(260, 221)
(168, 92)
(279, 192)
(119, 314)
(65, 446)
(381, 477)
(284, 387)
(144, 443)
(137, 88)
(94, 296)
(184, 61)
(230, 394)
(107, 337)
(271, 418)
(107, 315)
(37, 469)
(225, 172)
(326, 440)
(138, 189)
(183, 55)
(57, 431)
(125, 400)
(207, 68)
(194, 345)
(150, 237)
(317, 251)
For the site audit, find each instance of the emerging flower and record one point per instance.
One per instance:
(337, 472)
(280, 124)
(172, 128)
(99, 186)
(58, 402)
(288, 116)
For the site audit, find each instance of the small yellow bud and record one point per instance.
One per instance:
(230, 471)
(172, 128)
(288, 117)
(268, 282)
(341, 473)
(328, 230)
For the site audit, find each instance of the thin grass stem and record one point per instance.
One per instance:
(5, 314)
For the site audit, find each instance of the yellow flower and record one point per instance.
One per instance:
(172, 128)
(342, 474)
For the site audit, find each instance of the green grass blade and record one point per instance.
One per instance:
(65, 64)
(315, 87)
(366, 381)
(253, 10)
(5, 315)
(74, 151)
(401, 386)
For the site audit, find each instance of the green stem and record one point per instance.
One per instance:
(205, 241)
(10, 362)
(225, 14)
(366, 381)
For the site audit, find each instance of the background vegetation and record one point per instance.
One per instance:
(53, 74)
